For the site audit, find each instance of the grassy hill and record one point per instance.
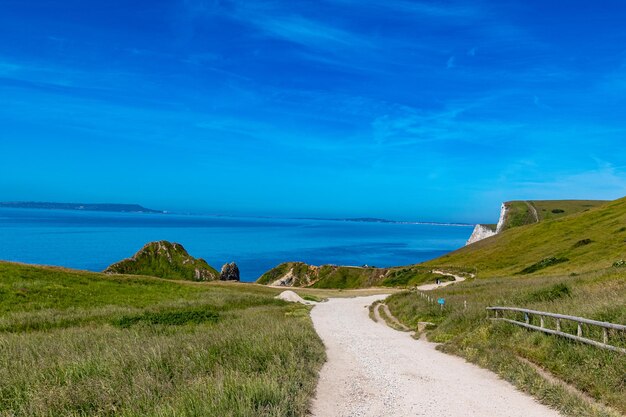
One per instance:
(521, 213)
(166, 260)
(584, 241)
(76, 343)
(299, 274)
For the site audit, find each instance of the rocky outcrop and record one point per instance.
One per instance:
(503, 214)
(230, 272)
(165, 260)
(299, 274)
(481, 231)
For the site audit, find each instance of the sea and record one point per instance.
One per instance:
(90, 240)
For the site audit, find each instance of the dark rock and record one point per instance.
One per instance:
(230, 272)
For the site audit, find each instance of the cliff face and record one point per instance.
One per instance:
(481, 231)
(165, 260)
(503, 214)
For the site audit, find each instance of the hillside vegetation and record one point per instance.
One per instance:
(166, 260)
(299, 274)
(585, 241)
(521, 213)
(86, 344)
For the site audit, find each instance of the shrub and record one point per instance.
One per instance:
(619, 264)
(582, 242)
(551, 293)
(558, 211)
(544, 263)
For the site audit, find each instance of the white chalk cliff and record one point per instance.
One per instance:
(482, 231)
(503, 210)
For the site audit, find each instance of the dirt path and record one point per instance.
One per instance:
(533, 210)
(373, 370)
(429, 287)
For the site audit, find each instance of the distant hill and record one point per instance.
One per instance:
(122, 208)
(521, 213)
(165, 260)
(299, 274)
(570, 237)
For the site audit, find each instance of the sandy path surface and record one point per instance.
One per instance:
(373, 370)
(429, 287)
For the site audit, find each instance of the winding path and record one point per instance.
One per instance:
(429, 287)
(373, 370)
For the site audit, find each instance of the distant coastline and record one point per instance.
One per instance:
(107, 207)
(377, 220)
(136, 208)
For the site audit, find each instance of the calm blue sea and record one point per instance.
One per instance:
(93, 240)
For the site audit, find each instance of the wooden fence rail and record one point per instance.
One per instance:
(499, 315)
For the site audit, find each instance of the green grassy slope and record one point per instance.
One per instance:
(166, 260)
(75, 343)
(554, 209)
(585, 241)
(521, 213)
(348, 277)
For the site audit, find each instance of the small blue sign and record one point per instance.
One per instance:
(441, 301)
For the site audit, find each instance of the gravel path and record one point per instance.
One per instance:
(373, 370)
(430, 287)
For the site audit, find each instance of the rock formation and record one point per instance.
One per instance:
(481, 231)
(230, 272)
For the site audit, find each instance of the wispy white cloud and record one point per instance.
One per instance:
(415, 8)
(540, 104)
(309, 32)
(409, 126)
(602, 183)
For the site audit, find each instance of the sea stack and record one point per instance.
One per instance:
(230, 272)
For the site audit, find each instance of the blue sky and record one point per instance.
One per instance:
(422, 110)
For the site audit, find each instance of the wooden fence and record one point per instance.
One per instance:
(605, 326)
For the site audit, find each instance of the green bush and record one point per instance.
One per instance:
(582, 242)
(549, 294)
(544, 263)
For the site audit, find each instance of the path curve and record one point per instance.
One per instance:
(430, 287)
(373, 370)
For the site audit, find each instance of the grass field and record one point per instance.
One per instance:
(554, 209)
(84, 344)
(521, 213)
(498, 346)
